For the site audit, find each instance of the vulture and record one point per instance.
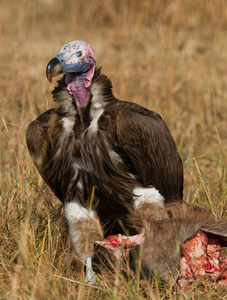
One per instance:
(100, 155)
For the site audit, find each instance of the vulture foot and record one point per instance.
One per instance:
(89, 276)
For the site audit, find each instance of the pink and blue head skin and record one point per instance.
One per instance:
(77, 60)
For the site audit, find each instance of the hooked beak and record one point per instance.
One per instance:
(54, 68)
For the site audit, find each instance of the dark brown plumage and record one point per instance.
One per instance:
(90, 138)
(137, 135)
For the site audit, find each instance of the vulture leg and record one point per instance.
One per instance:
(89, 272)
(84, 230)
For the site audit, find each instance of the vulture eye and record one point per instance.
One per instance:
(78, 53)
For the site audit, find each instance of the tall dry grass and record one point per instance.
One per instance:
(169, 56)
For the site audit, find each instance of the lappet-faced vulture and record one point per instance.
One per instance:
(91, 139)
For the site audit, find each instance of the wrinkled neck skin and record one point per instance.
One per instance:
(78, 86)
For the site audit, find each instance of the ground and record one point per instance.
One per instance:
(169, 56)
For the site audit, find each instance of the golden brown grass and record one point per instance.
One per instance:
(169, 56)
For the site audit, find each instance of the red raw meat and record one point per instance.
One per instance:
(118, 245)
(186, 277)
(195, 252)
(204, 260)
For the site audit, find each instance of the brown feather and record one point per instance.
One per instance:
(131, 147)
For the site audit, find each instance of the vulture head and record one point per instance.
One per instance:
(77, 60)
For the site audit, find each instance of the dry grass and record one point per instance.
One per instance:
(169, 56)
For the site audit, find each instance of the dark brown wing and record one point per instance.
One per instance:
(146, 139)
(38, 143)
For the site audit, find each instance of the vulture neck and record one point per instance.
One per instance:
(98, 94)
(78, 86)
(77, 89)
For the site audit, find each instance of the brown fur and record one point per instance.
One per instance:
(167, 229)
